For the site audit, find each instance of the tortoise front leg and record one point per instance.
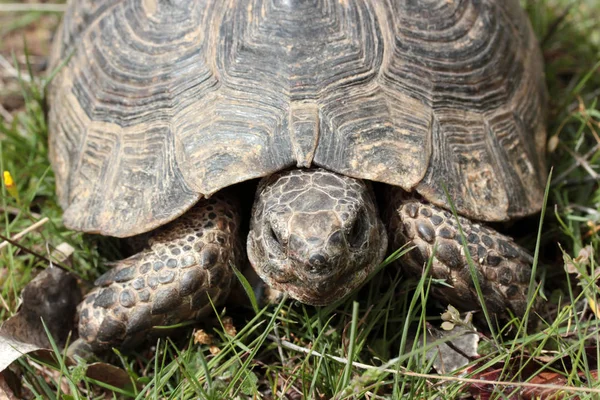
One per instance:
(502, 267)
(187, 262)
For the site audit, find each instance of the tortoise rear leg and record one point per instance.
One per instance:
(186, 263)
(502, 267)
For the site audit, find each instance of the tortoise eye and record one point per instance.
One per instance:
(357, 234)
(272, 240)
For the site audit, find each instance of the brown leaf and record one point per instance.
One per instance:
(109, 374)
(457, 350)
(527, 369)
(52, 296)
(11, 349)
(484, 391)
(551, 378)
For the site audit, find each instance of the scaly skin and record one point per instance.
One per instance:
(503, 268)
(315, 235)
(170, 281)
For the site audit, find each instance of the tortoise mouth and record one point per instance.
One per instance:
(326, 290)
(333, 281)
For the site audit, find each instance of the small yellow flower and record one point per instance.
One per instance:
(8, 180)
(10, 186)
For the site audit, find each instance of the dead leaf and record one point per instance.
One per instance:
(52, 296)
(536, 370)
(109, 374)
(551, 378)
(450, 356)
(11, 349)
(485, 390)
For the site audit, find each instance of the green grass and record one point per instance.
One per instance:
(364, 347)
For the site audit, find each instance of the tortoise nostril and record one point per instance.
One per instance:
(313, 240)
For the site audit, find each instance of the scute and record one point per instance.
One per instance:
(162, 103)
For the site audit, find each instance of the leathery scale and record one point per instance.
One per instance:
(315, 235)
(502, 267)
(169, 281)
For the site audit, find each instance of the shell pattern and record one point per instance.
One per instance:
(160, 102)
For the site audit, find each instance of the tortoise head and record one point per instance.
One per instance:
(314, 234)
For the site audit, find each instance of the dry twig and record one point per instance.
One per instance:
(25, 231)
(28, 7)
(447, 378)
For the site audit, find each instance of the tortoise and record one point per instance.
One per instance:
(161, 109)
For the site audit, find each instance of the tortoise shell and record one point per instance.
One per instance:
(160, 103)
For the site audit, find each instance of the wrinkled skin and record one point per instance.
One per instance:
(315, 235)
